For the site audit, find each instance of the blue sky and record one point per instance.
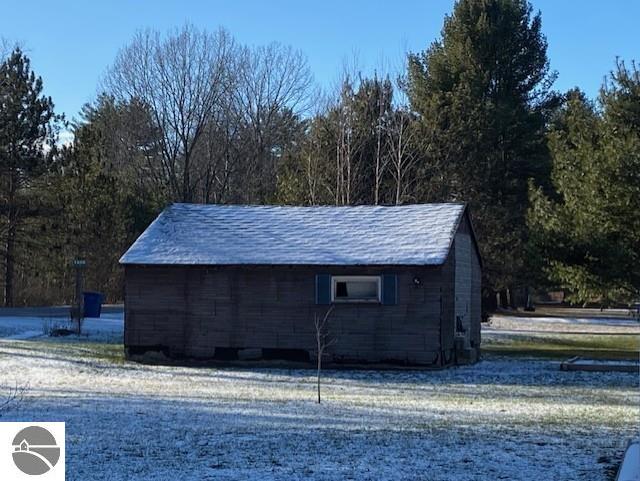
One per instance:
(71, 43)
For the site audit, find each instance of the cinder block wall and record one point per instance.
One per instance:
(191, 310)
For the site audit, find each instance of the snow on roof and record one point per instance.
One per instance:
(187, 234)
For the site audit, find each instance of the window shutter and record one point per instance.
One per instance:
(389, 290)
(323, 289)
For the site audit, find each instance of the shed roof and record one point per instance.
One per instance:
(190, 234)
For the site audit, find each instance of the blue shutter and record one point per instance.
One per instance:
(389, 290)
(323, 289)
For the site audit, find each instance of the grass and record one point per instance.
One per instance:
(103, 351)
(108, 352)
(558, 345)
(541, 345)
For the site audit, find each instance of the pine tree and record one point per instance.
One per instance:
(106, 204)
(27, 137)
(586, 231)
(483, 96)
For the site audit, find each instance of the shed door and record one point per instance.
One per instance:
(463, 285)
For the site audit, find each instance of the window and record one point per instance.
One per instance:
(355, 289)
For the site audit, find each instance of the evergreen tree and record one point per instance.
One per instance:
(99, 196)
(106, 205)
(483, 96)
(27, 139)
(586, 231)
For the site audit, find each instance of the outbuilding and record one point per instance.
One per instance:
(226, 282)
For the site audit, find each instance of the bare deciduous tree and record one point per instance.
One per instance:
(357, 123)
(347, 145)
(401, 140)
(274, 84)
(222, 112)
(181, 78)
(312, 173)
(381, 160)
(323, 341)
(14, 396)
(6, 47)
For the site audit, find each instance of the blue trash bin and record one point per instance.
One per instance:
(92, 304)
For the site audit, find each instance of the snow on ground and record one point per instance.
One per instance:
(503, 324)
(605, 362)
(108, 327)
(500, 419)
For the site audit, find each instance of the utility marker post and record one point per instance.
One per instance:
(77, 310)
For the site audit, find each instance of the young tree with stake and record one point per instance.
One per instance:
(323, 341)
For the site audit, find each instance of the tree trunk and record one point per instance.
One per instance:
(186, 181)
(9, 263)
(319, 369)
(513, 297)
(399, 165)
(320, 349)
(376, 194)
(504, 298)
(10, 247)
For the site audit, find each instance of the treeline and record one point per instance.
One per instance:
(193, 116)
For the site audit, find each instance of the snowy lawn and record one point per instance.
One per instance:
(504, 418)
(562, 337)
(108, 328)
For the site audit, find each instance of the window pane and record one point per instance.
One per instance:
(362, 289)
(356, 288)
(341, 289)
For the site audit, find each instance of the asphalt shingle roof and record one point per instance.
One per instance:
(188, 234)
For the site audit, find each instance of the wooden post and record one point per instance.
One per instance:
(77, 311)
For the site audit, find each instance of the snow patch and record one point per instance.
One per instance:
(25, 335)
(587, 325)
(109, 326)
